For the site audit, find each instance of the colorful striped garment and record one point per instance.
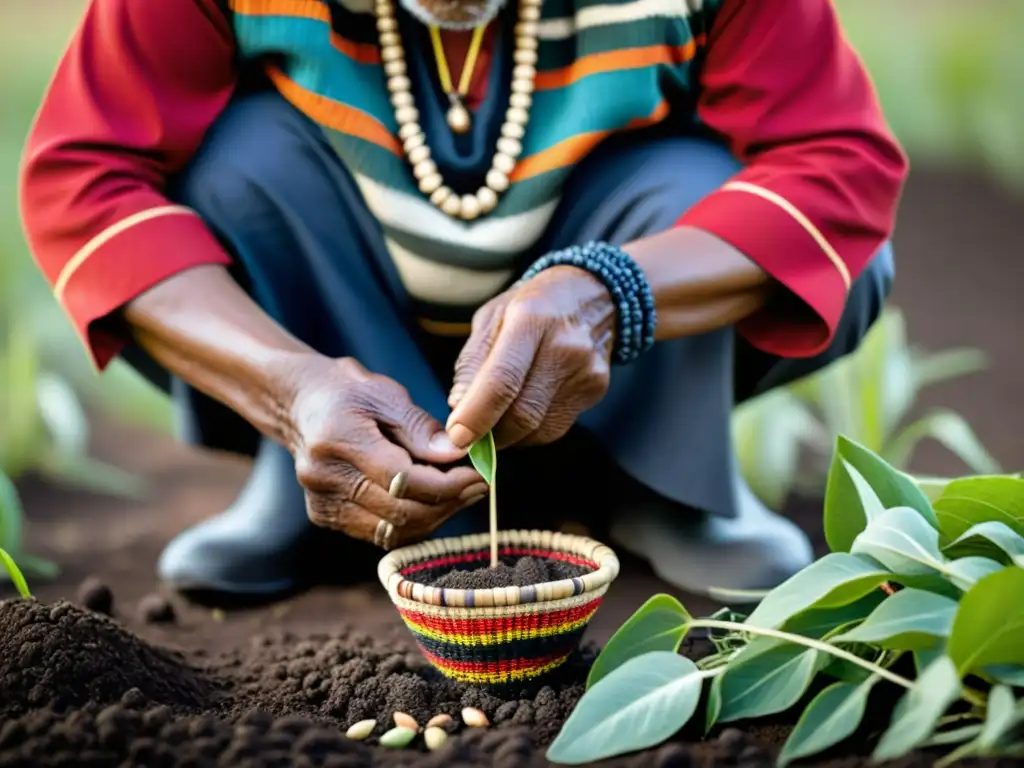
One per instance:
(774, 79)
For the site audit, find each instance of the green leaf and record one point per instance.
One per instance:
(902, 541)
(1000, 717)
(836, 579)
(948, 364)
(15, 573)
(658, 625)
(640, 704)
(86, 473)
(952, 431)
(850, 504)
(893, 488)
(989, 625)
(819, 622)
(967, 571)
(36, 566)
(484, 457)
(12, 515)
(766, 677)
(925, 657)
(63, 415)
(984, 537)
(965, 503)
(919, 710)
(831, 716)
(948, 738)
(908, 620)
(1006, 674)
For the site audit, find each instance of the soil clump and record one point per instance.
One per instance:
(521, 572)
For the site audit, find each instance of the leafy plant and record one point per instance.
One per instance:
(957, 565)
(865, 396)
(15, 574)
(484, 457)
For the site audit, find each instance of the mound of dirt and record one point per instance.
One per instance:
(522, 572)
(59, 656)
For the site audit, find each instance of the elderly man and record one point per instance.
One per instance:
(289, 211)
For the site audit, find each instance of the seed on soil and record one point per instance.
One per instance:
(403, 720)
(96, 596)
(361, 730)
(474, 718)
(435, 737)
(397, 738)
(156, 609)
(439, 721)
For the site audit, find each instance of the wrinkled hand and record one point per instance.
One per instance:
(352, 433)
(537, 357)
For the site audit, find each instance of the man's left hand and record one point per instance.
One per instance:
(537, 357)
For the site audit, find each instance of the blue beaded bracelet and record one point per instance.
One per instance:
(635, 318)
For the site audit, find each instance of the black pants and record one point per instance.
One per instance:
(314, 258)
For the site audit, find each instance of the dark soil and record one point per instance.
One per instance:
(521, 572)
(276, 685)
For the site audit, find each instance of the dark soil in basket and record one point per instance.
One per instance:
(521, 572)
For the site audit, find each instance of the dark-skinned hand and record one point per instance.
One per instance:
(537, 357)
(352, 432)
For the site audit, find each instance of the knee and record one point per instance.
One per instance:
(251, 151)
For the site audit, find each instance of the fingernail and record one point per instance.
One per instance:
(442, 442)
(474, 501)
(398, 485)
(460, 435)
(475, 491)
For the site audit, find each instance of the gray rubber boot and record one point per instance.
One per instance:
(255, 547)
(715, 556)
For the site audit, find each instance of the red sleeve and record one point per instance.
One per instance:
(138, 87)
(823, 174)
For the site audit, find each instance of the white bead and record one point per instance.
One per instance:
(430, 184)
(517, 115)
(524, 43)
(513, 130)
(390, 38)
(396, 67)
(387, 24)
(424, 168)
(497, 180)
(392, 53)
(409, 129)
(521, 100)
(452, 205)
(439, 195)
(522, 85)
(401, 99)
(419, 154)
(525, 57)
(524, 72)
(399, 83)
(510, 147)
(526, 29)
(487, 199)
(470, 207)
(529, 13)
(503, 162)
(416, 140)
(407, 115)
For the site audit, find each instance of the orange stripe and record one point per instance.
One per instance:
(575, 148)
(315, 10)
(445, 328)
(333, 114)
(610, 61)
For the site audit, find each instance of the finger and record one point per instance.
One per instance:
(497, 384)
(414, 429)
(527, 414)
(432, 485)
(579, 393)
(486, 324)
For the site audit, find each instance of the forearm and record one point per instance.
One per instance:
(202, 327)
(700, 283)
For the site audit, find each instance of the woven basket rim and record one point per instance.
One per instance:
(389, 570)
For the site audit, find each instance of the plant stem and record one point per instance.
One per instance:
(493, 501)
(807, 642)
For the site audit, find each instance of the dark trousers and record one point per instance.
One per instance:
(308, 250)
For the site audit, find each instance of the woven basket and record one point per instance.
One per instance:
(505, 635)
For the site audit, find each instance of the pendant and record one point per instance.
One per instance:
(458, 117)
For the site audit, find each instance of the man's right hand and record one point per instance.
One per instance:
(352, 432)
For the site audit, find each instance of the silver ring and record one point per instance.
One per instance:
(382, 535)
(399, 484)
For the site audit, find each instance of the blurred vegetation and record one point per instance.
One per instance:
(948, 74)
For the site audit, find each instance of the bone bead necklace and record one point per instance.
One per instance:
(414, 142)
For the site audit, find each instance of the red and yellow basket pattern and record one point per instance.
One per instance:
(505, 635)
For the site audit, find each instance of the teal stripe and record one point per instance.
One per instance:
(557, 54)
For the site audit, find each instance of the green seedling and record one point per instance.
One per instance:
(484, 457)
(956, 559)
